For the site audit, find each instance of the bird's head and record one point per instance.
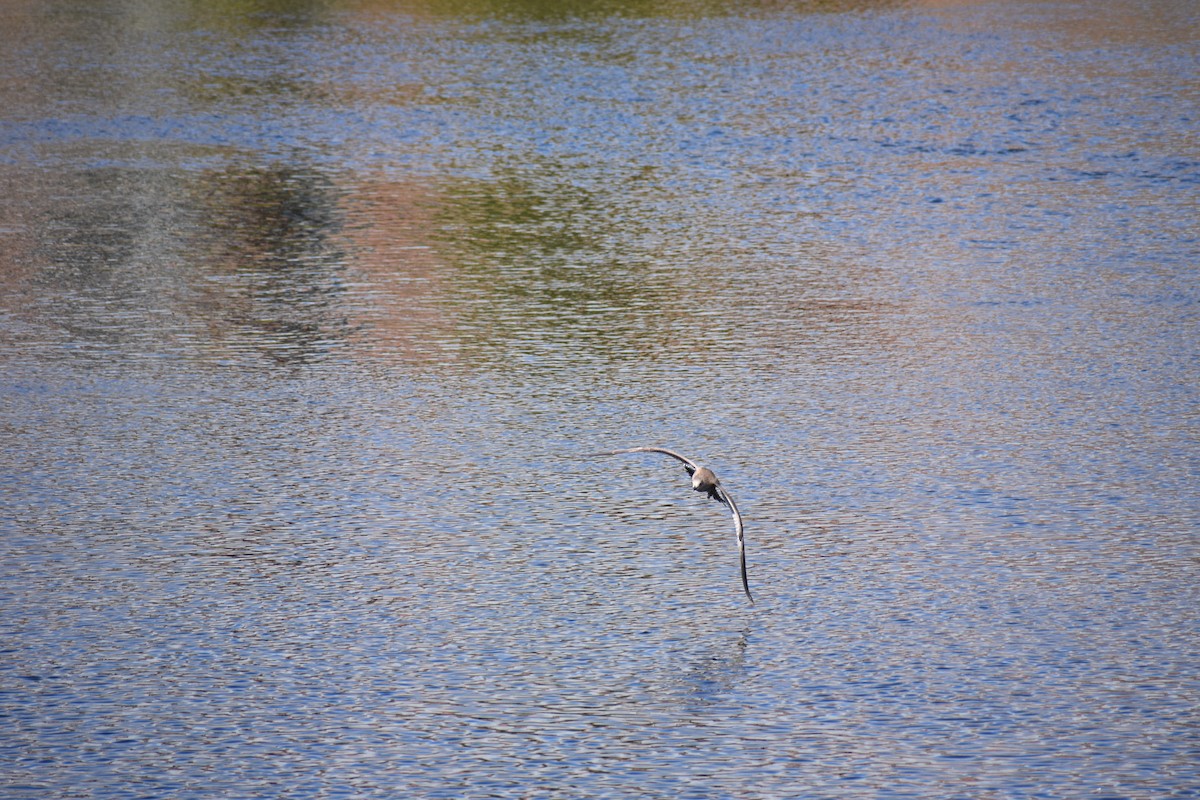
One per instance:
(703, 480)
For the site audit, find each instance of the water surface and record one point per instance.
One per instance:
(311, 313)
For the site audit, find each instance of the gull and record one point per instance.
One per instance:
(703, 480)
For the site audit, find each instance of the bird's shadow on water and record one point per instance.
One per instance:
(706, 672)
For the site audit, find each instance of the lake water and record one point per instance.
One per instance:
(312, 315)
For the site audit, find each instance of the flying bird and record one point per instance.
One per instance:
(703, 480)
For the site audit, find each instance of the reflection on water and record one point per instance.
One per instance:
(311, 312)
(275, 270)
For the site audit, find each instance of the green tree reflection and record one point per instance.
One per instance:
(541, 262)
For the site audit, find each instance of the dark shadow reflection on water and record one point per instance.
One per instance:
(715, 672)
(274, 261)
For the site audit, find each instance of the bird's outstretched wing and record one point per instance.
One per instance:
(688, 464)
(741, 537)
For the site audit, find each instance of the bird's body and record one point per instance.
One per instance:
(704, 480)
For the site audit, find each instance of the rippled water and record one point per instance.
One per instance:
(312, 313)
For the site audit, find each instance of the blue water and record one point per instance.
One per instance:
(312, 316)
